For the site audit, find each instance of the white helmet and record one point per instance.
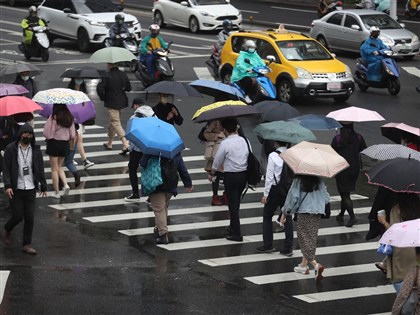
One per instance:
(374, 29)
(32, 8)
(154, 29)
(250, 44)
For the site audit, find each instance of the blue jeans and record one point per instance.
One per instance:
(68, 161)
(397, 286)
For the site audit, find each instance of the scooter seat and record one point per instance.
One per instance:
(362, 61)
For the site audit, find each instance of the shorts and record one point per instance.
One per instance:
(57, 148)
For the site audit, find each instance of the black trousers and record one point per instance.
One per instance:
(234, 186)
(23, 208)
(133, 166)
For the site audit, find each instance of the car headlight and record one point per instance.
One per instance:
(415, 39)
(303, 74)
(96, 23)
(207, 14)
(387, 41)
(348, 73)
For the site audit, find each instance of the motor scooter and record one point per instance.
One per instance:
(333, 6)
(164, 69)
(265, 88)
(389, 76)
(214, 61)
(39, 44)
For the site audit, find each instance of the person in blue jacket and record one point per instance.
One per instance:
(242, 72)
(148, 44)
(369, 52)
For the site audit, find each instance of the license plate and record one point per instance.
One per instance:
(334, 86)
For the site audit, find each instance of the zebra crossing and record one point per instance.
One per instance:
(197, 233)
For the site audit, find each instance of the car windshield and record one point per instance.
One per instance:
(383, 21)
(301, 50)
(94, 6)
(208, 2)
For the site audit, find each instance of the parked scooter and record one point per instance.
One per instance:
(39, 45)
(324, 9)
(214, 61)
(412, 8)
(164, 69)
(265, 88)
(389, 76)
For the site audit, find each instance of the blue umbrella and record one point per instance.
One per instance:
(316, 122)
(220, 91)
(154, 136)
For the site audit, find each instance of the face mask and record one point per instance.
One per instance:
(375, 36)
(251, 50)
(78, 81)
(25, 77)
(120, 22)
(164, 99)
(153, 35)
(26, 140)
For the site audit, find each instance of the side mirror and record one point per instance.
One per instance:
(66, 10)
(271, 58)
(184, 3)
(355, 27)
(402, 25)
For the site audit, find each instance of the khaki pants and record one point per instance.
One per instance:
(114, 127)
(159, 202)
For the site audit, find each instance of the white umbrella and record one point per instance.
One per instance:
(390, 151)
(111, 55)
(355, 114)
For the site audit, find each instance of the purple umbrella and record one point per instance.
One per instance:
(81, 112)
(12, 89)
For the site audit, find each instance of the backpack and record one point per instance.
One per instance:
(169, 171)
(201, 134)
(286, 180)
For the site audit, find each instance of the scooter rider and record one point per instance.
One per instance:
(224, 33)
(242, 72)
(118, 28)
(30, 21)
(148, 44)
(370, 53)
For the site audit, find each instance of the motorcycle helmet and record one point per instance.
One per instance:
(250, 46)
(154, 30)
(32, 10)
(227, 26)
(119, 19)
(374, 31)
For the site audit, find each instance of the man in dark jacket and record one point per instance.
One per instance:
(167, 111)
(112, 90)
(23, 175)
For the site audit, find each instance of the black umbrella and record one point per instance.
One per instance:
(222, 110)
(173, 88)
(394, 131)
(275, 110)
(218, 90)
(398, 175)
(84, 72)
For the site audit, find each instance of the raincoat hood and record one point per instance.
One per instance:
(26, 128)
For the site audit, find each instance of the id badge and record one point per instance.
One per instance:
(25, 170)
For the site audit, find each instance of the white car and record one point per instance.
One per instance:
(87, 21)
(205, 15)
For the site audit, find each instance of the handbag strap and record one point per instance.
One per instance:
(301, 201)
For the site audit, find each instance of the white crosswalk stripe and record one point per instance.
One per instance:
(4, 275)
(100, 203)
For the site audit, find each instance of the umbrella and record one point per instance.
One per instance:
(81, 112)
(154, 136)
(10, 105)
(394, 131)
(224, 109)
(307, 158)
(275, 110)
(12, 89)
(14, 68)
(84, 72)
(173, 88)
(398, 175)
(403, 234)
(60, 96)
(284, 131)
(217, 89)
(355, 114)
(111, 55)
(390, 151)
(316, 122)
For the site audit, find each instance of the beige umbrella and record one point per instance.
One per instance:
(308, 158)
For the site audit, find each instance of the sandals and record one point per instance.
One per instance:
(106, 147)
(381, 267)
(124, 151)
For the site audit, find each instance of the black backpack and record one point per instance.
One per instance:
(286, 179)
(169, 172)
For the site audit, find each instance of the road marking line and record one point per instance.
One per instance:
(253, 239)
(203, 73)
(290, 9)
(327, 250)
(346, 294)
(249, 11)
(412, 70)
(4, 274)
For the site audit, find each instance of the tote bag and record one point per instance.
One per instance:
(151, 176)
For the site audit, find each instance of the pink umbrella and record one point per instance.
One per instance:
(10, 105)
(12, 89)
(393, 131)
(355, 114)
(404, 234)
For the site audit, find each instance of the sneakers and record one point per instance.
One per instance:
(56, 195)
(286, 252)
(87, 164)
(216, 201)
(352, 222)
(302, 270)
(163, 239)
(75, 163)
(66, 190)
(28, 249)
(132, 198)
(6, 237)
(263, 249)
(319, 269)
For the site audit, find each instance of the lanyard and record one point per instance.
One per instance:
(25, 158)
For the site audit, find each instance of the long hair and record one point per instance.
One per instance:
(347, 134)
(309, 183)
(409, 205)
(62, 115)
(72, 86)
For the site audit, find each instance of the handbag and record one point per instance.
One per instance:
(201, 134)
(409, 306)
(151, 176)
(385, 249)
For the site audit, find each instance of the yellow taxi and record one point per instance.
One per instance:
(301, 67)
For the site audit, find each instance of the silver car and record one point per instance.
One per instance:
(348, 29)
